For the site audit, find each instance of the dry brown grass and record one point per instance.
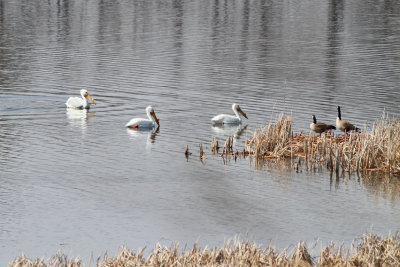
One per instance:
(232, 254)
(58, 260)
(378, 150)
(371, 251)
(274, 140)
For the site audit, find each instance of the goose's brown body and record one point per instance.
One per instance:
(320, 127)
(344, 126)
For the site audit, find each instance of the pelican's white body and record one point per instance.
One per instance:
(229, 119)
(143, 123)
(78, 103)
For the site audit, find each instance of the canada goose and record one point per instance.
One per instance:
(320, 127)
(344, 126)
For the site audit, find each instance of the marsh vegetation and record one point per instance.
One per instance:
(376, 150)
(371, 250)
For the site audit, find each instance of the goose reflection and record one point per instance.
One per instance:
(229, 130)
(150, 133)
(79, 117)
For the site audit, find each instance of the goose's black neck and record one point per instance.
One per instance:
(339, 114)
(314, 119)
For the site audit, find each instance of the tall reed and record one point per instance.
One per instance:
(273, 140)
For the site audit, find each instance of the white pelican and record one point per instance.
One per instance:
(345, 126)
(229, 119)
(80, 103)
(139, 123)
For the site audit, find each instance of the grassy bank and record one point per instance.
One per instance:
(372, 250)
(378, 150)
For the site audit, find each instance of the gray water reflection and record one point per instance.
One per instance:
(151, 134)
(223, 131)
(80, 182)
(79, 117)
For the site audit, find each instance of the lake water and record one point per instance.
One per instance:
(81, 183)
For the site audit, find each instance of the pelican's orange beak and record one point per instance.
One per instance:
(153, 114)
(241, 111)
(90, 98)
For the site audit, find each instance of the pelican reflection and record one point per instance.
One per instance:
(229, 130)
(138, 133)
(79, 117)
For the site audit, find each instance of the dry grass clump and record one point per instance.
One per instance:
(234, 253)
(273, 140)
(58, 260)
(378, 150)
(381, 149)
(371, 251)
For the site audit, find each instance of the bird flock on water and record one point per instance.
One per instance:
(153, 122)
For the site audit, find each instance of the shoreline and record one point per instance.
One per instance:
(371, 250)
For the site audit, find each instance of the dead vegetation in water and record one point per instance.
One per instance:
(375, 151)
(227, 150)
(378, 150)
(372, 250)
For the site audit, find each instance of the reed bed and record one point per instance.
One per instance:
(372, 250)
(59, 260)
(378, 150)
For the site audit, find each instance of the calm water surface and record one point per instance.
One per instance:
(81, 183)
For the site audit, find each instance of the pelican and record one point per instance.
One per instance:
(80, 103)
(344, 126)
(139, 123)
(320, 127)
(229, 119)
